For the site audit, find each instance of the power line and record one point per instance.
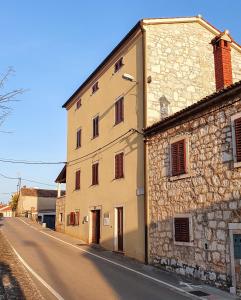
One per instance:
(26, 162)
(24, 179)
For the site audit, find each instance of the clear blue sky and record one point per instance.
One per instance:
(53, 45)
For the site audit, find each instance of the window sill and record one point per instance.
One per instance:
(188, 244)
(117, 123)
(94, 137)
(76, 148)
(178, 177)
(119, 178)
(237, 164)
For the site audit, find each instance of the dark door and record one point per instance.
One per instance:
(49, 220)
(95, 226)
(120, 228)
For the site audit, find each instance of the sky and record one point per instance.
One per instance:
(53, 46)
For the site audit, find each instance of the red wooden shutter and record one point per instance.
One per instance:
(77, 180)
(95, 175)
(72, 218)
(119, 110)
(78, 140)
(237, 126)
(178, 153)
(119, 172)
(96, 127)
(182, 233)
(77, 218)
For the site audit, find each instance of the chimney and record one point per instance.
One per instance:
(222, 60)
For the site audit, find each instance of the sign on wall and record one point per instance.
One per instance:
(106, 219)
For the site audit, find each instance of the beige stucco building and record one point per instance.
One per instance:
(160, 67)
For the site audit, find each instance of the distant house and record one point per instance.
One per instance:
(60, 202)
(6, 211)
(38, 204)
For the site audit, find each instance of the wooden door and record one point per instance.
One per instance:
(120, 228)
(95, 226)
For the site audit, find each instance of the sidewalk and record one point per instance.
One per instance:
(196, 290)
(15, 282)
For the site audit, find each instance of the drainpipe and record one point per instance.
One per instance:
(145, 150)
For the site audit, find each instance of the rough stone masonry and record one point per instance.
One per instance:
(209, 193)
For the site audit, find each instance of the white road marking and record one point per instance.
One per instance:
(117, 264)
(56, 294)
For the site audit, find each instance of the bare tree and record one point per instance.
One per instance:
(6, 97)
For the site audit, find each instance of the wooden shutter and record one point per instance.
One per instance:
(119, 172)
(119, 110)
(178, 153)
(182, 233)
(77, 180)
(96, 127)
(95, 175)
(77, 218)
(78, 139)
(237, 126)
(72, 218)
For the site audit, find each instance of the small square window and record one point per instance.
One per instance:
(78, 104)
(182, 230)
(95, 87)
(118, 64)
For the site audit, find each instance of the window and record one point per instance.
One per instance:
(78, 104)
(119, 111)
(76, 221)
(237, 130)
(77, 180)
(119, 168)
(178, 158)
(95, 87)
(95, 174)
(60, 217)
(119, 64)
(72, 218)
(78, 138)
(182, 230)
(95, 127)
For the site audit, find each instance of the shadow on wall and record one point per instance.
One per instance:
(9, 286)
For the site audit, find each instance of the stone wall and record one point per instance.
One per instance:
(60, 208)
(210, 193)
(181, 65)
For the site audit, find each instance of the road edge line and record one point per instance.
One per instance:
(119, 265)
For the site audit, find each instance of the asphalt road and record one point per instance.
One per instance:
(78, 272)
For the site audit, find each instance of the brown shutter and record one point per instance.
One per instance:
(178, 153)
(77, 218)
(72, 218)
(77, 180)
(119, 172)
(96, 127)
(237, 126)
(95, 175)
(182, 233)
(78, 140)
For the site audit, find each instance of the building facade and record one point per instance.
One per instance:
(159, 68)
(37, 204)
(194, 181)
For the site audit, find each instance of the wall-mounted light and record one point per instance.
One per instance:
(128, 77)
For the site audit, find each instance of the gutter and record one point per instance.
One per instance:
(145, 147)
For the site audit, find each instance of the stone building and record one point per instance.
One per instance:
(160, 67)
(194, 189)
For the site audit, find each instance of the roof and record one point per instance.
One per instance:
(189, 111)
(139, 25)
(62, 176)
(38, 192)
(4, 208)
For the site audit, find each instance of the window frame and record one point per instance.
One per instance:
(94, 133)
(77, 183)
(187, 173)
(236, 163)
(119, 118)
(78, 139)
(118, 64)
(78, 104)
(181, 243)
(95, 176)
(115, 169)
(95, 87)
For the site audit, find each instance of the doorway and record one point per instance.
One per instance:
(119, 229)
(95, 226)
